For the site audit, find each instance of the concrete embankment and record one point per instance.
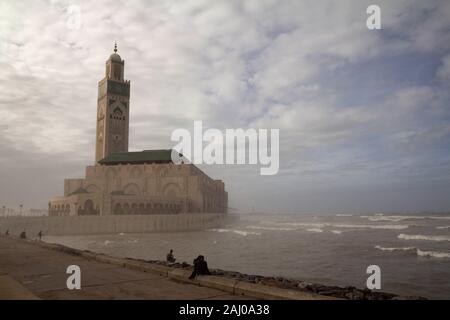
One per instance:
(31, 269)
(112, 224)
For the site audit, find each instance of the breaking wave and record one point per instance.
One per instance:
(418, 252)
(377, 218)
(270, 228)
(368, 226)
(239, 232)
(433, 254)
(423, 237)
(314, 230)
(295, 224)
(344, 215)
(336, 231)
(443, 227)
(396, 249)
(339, 225)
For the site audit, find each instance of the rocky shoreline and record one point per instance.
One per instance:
(348, 292)
(339, 292)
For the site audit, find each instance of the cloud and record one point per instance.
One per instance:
(443, 72)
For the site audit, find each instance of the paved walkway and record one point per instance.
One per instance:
(27, 268)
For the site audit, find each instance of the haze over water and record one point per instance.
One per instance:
(413, 252)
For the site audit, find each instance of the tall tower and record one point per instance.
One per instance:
(113, 109)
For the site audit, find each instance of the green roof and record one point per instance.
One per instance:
(141, 157)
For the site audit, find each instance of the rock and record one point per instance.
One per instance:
(355, 295)
(303, 285)
(408, 298)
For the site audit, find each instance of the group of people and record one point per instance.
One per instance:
(23, 234)
(200, 265)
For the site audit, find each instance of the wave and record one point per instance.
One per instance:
(336, 231)
(368, 226)
(377, 218)
(434, 254)
(107, 242)
(443, 227)
(423, 237)
(396, 249)
(314, 230)
(239, 232)
(344, 215)
(270, 228)
(296, 224)
(418, 252)
(339, 225)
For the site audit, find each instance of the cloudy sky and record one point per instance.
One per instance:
(364, 115)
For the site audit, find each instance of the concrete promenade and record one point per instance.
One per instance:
(31, 271)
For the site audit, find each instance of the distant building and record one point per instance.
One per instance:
(123, 182)
(37, 212)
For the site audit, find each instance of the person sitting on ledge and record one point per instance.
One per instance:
(23, 235)
(200, 267)
(40, 235)
(170, 257)
(7, 233)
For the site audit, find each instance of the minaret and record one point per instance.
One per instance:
(113, 109)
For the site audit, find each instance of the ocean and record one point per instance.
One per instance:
(413, 251)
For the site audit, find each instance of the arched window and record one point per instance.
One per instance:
(88, 208)
(118, 209)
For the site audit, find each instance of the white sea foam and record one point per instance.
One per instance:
(443, 227)
(396, 249)
(336, 231)
(314, 230)
(377, 218)
(420, 253)
(239, 232)
(296, 224)
(423, 237)
(344, 215)
(270, 228)
(369, 226)
(107, 242)
(433, 254)
(340, 225)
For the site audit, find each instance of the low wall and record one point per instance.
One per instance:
(233, 286)
(108, 224)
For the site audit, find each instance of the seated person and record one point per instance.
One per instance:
(170, 257)
(200, 267)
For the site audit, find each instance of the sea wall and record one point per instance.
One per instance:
(108, 224)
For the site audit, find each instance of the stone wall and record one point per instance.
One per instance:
(110, 224)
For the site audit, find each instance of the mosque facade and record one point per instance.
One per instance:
(122, 182)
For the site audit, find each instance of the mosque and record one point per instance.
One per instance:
(137, 183)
